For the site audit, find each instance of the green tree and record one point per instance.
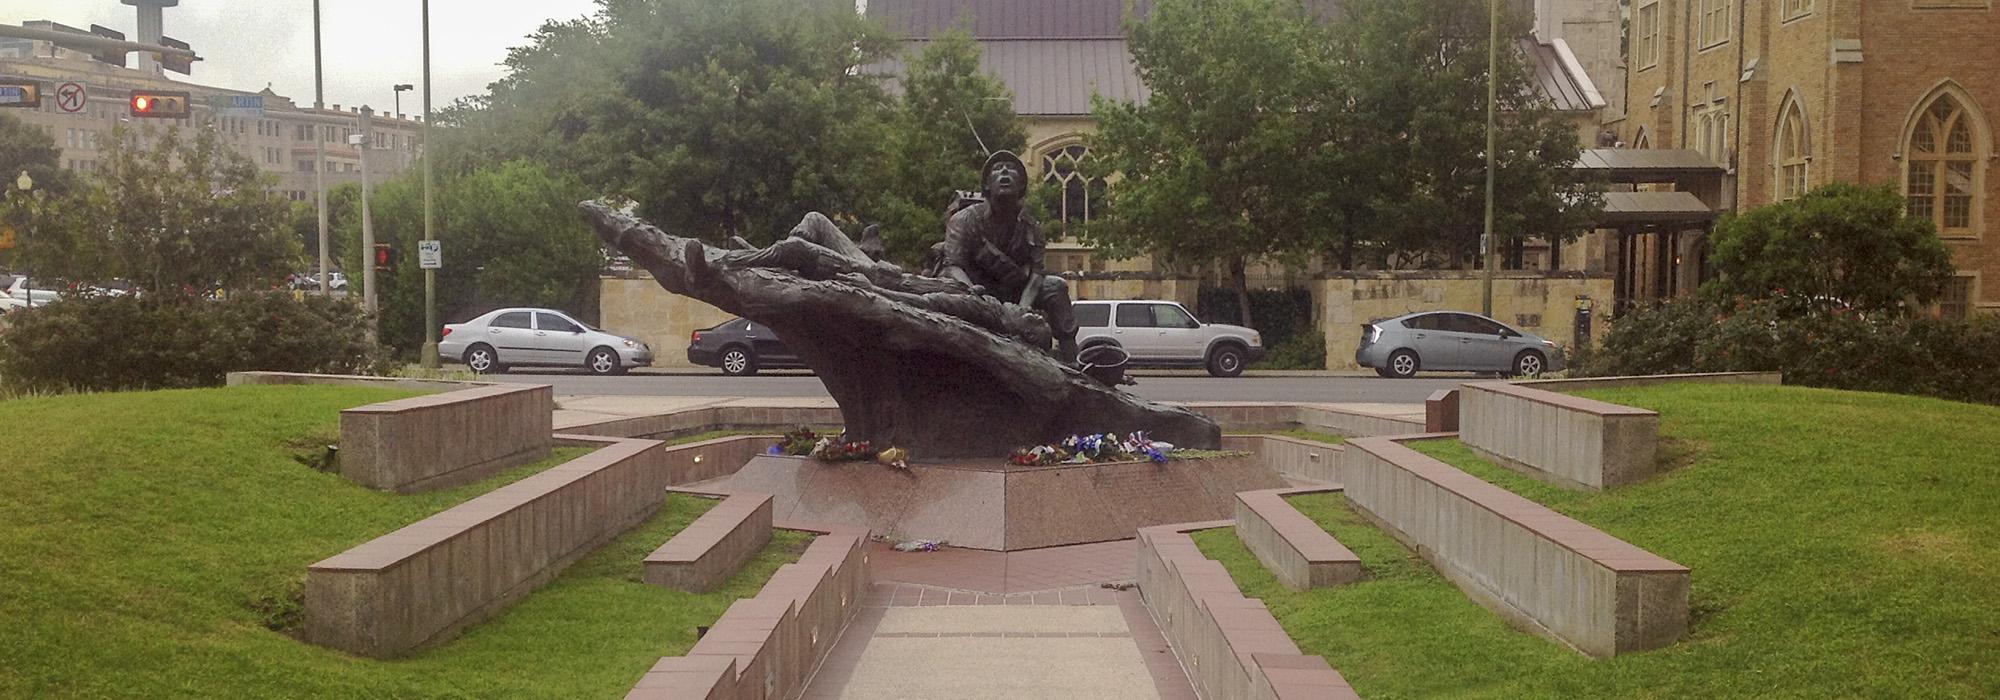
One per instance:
(1416, 76)
(511, 237)
(1218, 164)
(718, 118)
(948, 117)
(171, 211)
(24, 148)
(1841, 241)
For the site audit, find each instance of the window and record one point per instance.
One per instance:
(1426, 322)
(1081, 194)
(556, 324)
(512, 319)
(1475, 325)
(1711, 135)
(1643, 141)
(1945, 166)
(1714, 22)
(305, 166)
(1171, 316)
(1135, 316)
(1794, 151)
(1957, 302)
(1646, 34)
(1795, 9)
(1093, 315)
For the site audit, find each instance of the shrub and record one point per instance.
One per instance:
(1813, 344)
(1301, 351)
(97, 343)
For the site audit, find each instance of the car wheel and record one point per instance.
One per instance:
(603, 361)
(738, 362)
(1403, 364)
(482, 359)
(1226, 361)
(1384, 373)
(1529, 363)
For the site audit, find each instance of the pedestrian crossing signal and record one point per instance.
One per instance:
(385, 257)
(155, 104)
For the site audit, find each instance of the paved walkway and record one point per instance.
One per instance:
(961, 623)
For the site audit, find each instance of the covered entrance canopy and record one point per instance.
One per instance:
(1655, 196)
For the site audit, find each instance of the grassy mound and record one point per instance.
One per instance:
(150, 542)
(1843, 545)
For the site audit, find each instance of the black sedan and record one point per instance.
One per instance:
(740, 347)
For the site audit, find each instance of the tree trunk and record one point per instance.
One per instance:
(923, 371)
(1239, 278)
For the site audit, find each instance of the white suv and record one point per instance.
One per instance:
(1163, 334)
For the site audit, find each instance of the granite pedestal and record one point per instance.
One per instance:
(988, 504)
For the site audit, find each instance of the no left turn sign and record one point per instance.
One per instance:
(70, 97)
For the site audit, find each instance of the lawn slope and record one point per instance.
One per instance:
(1842, 544)
(150, 541)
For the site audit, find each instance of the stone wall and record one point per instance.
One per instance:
(1539, 303)
(426, 581)
(1541, 570)
(1296, 550)
(441, 440)
(1291, 457)
(711, 549)
(640, 308)
(1559, 438)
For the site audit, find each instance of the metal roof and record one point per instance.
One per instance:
(1024, 19)
(1558, 76)
(1051, 77)
(1653, 207)
(1648, 159)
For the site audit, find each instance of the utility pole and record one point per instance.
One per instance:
(319, 161)
(1492, 157)
(430, 355)
(367, 143)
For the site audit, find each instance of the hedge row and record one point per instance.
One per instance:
(1812, 343)
(98, 343)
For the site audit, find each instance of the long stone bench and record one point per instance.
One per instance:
(710, 550)
(1291, 457)
(424, 582)
(1297, 550)
(441, 440)
(1230, 645)
(1568, 440)
(1541, 570)
(768, 646)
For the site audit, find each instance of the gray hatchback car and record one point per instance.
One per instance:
(1453, 341)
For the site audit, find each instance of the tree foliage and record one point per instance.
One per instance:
(1416, 72)
(26, 149)
(1220, 163)
(937, 134)
(173, 211)
(718, 118)
(1840, 241)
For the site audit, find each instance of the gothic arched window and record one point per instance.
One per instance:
(1945, 166)
(1081, 194)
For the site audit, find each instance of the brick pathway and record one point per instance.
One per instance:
(925, 630)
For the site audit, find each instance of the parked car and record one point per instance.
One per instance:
(1453, 341)
(33, 292)
(506, 338)
(1163, 334)
(740, 347)
(310, 280)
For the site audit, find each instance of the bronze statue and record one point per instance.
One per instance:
(996, 248)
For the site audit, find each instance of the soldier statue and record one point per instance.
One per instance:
(996, 247)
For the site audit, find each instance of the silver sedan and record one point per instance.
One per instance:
(538, 338)
(1453, 341)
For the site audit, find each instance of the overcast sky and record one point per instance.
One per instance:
(370, 44)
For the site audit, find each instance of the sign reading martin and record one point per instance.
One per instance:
(430, 255)
(238, 105)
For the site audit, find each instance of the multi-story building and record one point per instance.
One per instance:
(1790, 94)
(279, 138)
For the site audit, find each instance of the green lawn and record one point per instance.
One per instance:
(147, 540)
(1843, 545)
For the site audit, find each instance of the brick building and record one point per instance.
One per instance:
(1790, 94)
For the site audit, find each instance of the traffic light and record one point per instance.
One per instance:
(160, 104)
(385, 257)
(26, 94)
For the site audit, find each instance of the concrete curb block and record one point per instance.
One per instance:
(712, 548)
(1296, 550)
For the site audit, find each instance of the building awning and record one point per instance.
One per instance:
(1645, 165)
(1558, 77)
(1654, 208)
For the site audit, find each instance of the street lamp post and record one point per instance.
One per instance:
(400, 88)
(430, 358)
(319, 161)
(26, 185)
(366, 141)
(1492, 145)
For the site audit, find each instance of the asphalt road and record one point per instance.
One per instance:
(1319, 389)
